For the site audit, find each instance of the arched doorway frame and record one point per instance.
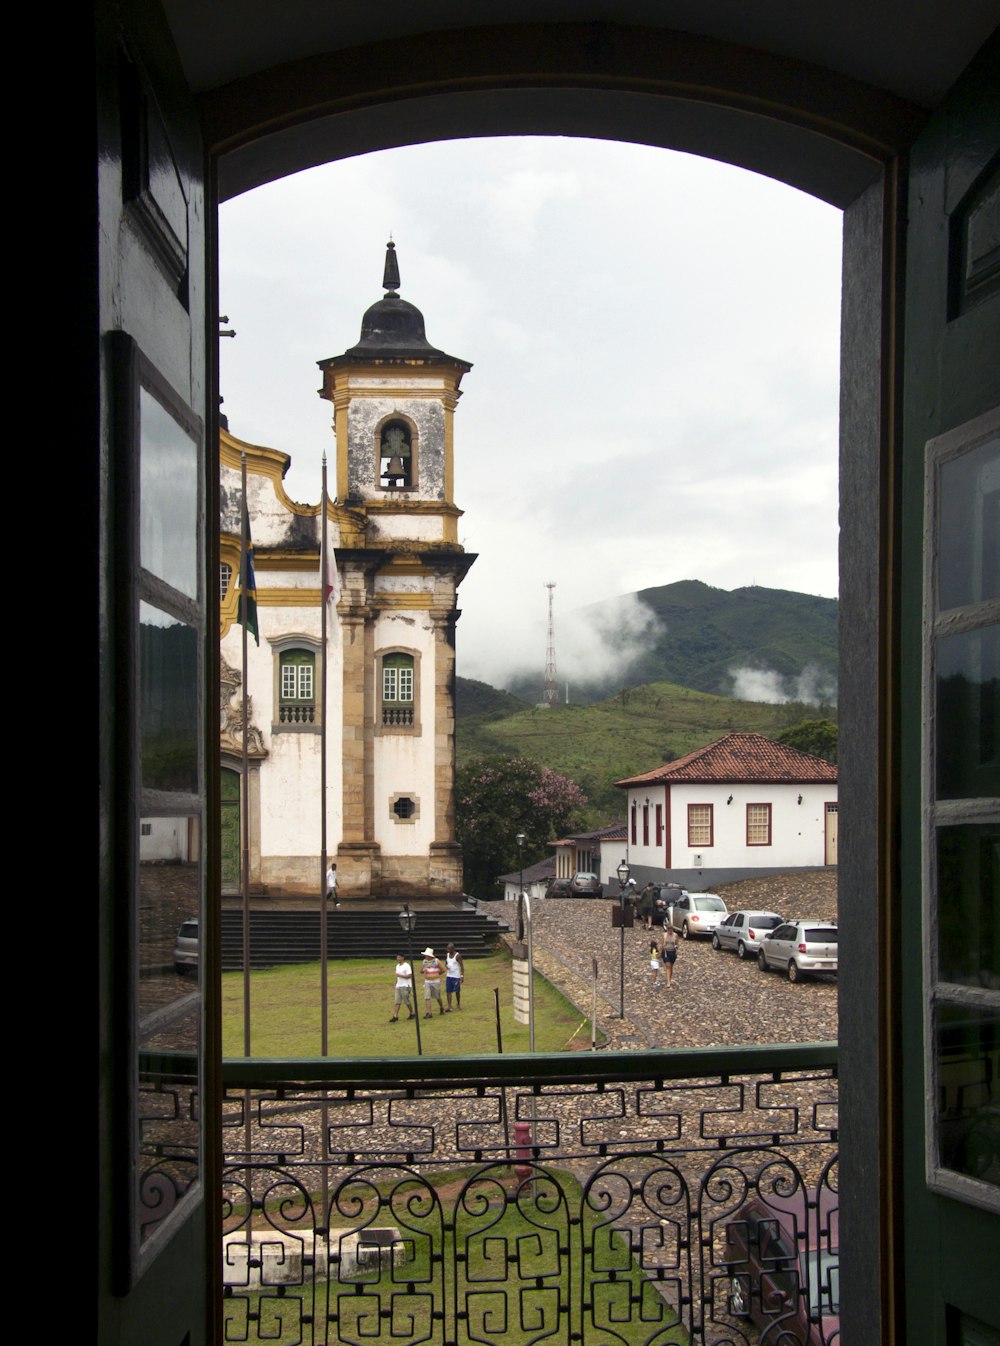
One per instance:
(823, 134)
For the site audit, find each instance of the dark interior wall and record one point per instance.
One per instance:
(823, 133)
(863, 532)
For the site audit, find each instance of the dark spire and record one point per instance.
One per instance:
(390, 276)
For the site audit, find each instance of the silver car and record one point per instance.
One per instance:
(697, 914)
(801, 948)
(186, 949)
(585, 884)
(744, 930)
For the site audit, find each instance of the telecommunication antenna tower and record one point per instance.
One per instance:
(551, 696)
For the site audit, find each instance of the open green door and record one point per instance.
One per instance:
(949, 932)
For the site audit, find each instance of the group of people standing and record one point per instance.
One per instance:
(433, 971)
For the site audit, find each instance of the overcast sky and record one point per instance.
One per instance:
(655, 349)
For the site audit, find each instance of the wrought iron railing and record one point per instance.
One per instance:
(657, 1198)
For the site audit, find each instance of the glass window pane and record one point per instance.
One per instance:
(968, 714)
(967, 1060)
(305, 682)
(968, 879)
(969, 528)
(406, 684)
(169, 1014)
(168, 498)
(168, 701)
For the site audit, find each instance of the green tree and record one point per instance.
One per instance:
(816, 736)
(497, 797)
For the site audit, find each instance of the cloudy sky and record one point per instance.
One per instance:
(655, 344)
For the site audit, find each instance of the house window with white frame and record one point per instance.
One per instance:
(758, 824)
(700, 825)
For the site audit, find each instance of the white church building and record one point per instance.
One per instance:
(389, 706)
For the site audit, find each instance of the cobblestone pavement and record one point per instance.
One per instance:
(716, 1000)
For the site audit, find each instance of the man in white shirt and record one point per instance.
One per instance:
(454, 976)
(331, 884)
(404, 985)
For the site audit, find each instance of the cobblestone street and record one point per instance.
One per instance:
(716, 1000)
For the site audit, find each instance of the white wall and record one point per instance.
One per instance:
(797, 830)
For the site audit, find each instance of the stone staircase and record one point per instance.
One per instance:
(355, 932)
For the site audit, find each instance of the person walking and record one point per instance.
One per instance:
(646, 906)
(655, 964)
(668, 954)
(331, 884)
(404, 987)
(454, 976)
(433, 971)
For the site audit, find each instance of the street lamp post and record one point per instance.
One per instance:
(520, 839)
(408, 919)
(623, 873)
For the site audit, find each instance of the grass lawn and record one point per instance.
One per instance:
(285, 1012)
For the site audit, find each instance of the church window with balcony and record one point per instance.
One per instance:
(398, 691)
(296, 687)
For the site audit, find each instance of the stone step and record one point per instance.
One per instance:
(293, 936)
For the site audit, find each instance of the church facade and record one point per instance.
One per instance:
(388, 705)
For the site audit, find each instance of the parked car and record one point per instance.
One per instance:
(585, 884)
(785, 1267)
(801, 948)
(744, 930)
(186, 948)
(666, 896)
(697, 914)
(559, 888)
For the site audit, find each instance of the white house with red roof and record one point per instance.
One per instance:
(741, 807)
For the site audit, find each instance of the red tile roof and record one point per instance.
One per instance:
(740, 759)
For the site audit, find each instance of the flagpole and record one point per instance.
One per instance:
(245, 772)
(323, 567)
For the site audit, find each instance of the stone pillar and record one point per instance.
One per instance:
(358, 859)
(445, 853)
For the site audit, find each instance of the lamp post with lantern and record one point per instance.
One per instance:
(623, 874)
(408, 919)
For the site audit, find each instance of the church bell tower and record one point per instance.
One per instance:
(394, 397)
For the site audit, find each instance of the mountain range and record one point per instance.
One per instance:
(755, 643)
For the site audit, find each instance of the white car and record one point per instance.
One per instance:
(186, 948)
(801, 948)
(697, 914)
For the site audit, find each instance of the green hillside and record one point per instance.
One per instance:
(701, 634)
(633, 731)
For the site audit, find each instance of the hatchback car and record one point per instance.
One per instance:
(697, 914)
(559, 888)
(585, 884)
(801, 948)
(744, 930)
(186, 948)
